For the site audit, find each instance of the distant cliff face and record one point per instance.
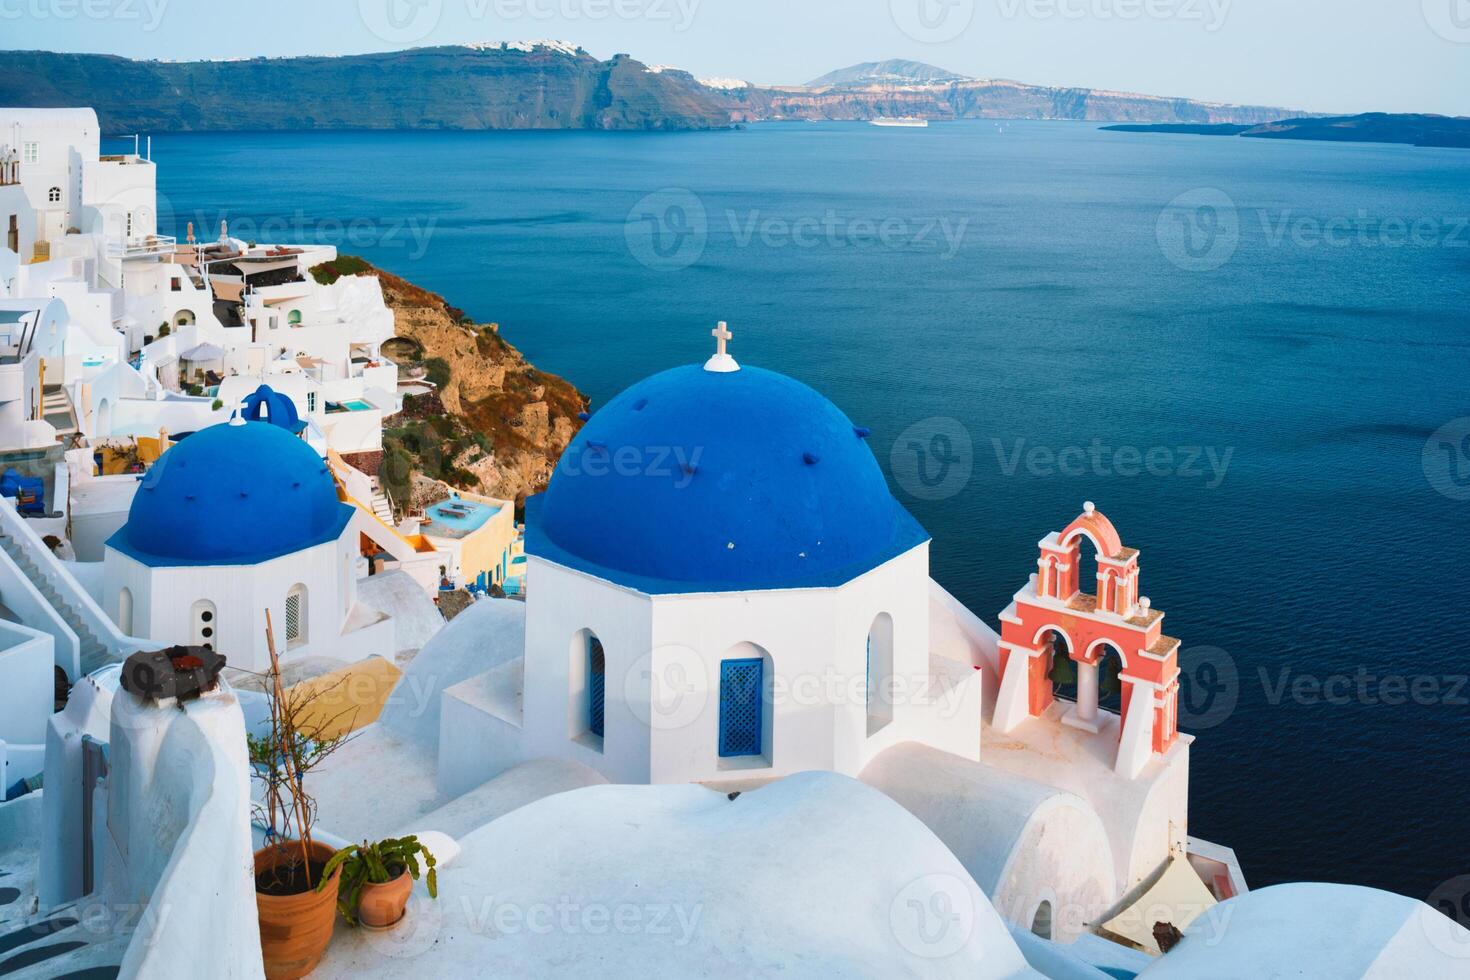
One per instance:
(536, 86)
(982, 99)
(458, 87)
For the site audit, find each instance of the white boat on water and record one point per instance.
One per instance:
(906, 122)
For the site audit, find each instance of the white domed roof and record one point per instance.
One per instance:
(815, 875)
(1318, 932)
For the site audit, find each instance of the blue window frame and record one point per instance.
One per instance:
(742, 707)
(596, 685)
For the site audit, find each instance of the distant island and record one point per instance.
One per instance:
(539, 85)
(1369, 127)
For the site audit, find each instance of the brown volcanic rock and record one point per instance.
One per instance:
(527, 415)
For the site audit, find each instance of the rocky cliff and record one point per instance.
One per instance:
(982, 99)
(496, 425)
(540, 85)
(490, 86)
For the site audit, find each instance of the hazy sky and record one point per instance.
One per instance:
(1326, 55)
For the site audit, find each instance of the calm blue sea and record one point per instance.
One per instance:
(1026, 321)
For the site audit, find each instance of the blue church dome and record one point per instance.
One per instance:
(234, 494)
(698, 481)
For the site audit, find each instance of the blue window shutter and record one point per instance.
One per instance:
(742, 707)
(596, 685)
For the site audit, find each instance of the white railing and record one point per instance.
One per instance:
(144, 245)
(118, 644)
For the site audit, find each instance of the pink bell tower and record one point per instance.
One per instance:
(1114, 617)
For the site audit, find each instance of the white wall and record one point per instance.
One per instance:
(164, 601)
(27, 664)
(178, 821)
(663, 657)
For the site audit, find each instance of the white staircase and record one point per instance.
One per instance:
(100, 641)
(93, 651)
(382, 504)
(55, 402)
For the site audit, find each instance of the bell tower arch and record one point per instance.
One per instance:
(1112, 619)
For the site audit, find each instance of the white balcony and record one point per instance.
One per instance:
(129, 248)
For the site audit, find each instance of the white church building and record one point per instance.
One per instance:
(233, 521)
(723, 587)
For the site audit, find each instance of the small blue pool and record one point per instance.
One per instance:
(457, 517)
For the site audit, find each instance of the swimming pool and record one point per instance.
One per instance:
(457, 517)
(351, 405)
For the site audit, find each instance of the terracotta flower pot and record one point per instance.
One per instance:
(295, 929)
(381, 906)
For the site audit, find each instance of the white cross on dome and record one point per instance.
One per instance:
(722, 362)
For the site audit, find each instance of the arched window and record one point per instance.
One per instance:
(206, 624)
(54, 195)
(880, 673)
(596, 686)
(587, 689)
(294, 318)
(125, 611)
(746, 731)
(1041, 921)
(296, 616)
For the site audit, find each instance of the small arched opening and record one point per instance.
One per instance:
(880, 673)
(1100, 685)
(296, 632)
(125, 611)
(746, 715)
(184, 318)
(1061, 669)
(205, 621)
(587, 689)
(1041, 921)
(294, 318)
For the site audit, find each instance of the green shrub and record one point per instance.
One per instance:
(343, 265)
(396, 473)
(438, 371)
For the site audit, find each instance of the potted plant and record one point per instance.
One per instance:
(296, 917)
(377, 878)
